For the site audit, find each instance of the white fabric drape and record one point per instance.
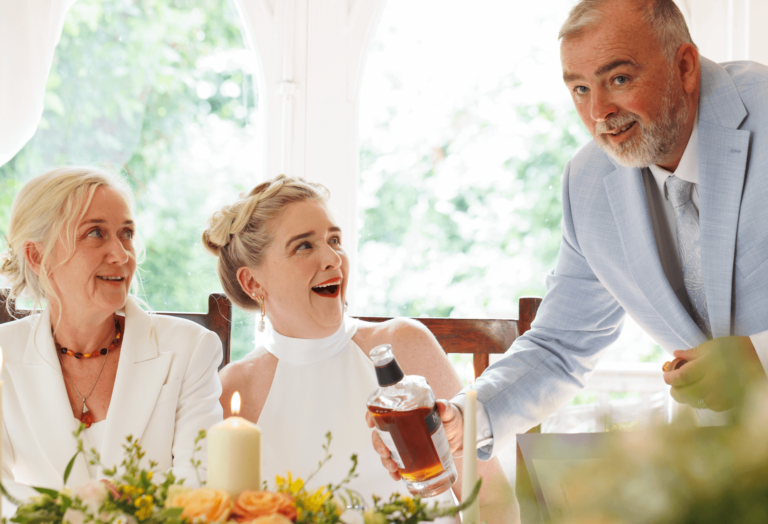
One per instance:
(29, 33)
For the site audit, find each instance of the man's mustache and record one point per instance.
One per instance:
(616, 122)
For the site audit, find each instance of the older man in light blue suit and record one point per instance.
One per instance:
(695, 279)
(665, 218)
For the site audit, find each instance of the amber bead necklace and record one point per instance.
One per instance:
(86, 417)
(112, 345)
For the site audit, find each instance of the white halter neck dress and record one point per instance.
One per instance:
(320, 386)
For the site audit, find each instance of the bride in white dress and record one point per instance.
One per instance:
(280, 252)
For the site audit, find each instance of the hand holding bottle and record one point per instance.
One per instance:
(452, 423)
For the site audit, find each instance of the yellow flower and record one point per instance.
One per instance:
(315, 501)
(409, 505)
(149, 475)
(291, 486)
(145, 505)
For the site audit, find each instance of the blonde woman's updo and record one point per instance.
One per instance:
(47, 208)
(239, 234)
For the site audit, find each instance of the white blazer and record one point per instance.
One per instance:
(166, 390)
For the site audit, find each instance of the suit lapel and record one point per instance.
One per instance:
(626, 195)
(140, 376)
(39, 384)
(723, 153)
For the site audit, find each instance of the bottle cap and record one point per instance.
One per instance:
(388, 371)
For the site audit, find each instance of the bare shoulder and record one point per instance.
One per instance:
(415, 348)
(252, 378)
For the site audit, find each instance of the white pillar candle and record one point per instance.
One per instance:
(471, 515)
(234, 454)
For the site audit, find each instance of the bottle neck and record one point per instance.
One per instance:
(389, 374)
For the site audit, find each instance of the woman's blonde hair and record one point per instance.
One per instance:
(239, 234)
(48, 208)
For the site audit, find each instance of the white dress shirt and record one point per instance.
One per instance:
(665, 231)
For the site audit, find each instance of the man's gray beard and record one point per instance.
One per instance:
(656, 139)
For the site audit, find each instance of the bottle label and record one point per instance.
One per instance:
(386, 437)
(439, 438)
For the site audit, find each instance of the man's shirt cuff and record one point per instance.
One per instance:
(760, 341)
(484, 431)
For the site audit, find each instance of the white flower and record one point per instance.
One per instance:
(73, 516)
(123, 518)
(91, 495)
(352, 516)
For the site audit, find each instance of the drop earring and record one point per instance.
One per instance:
(262, 325)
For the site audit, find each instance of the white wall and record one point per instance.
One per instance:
(728, 30)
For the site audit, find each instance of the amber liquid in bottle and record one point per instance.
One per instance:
(405, 414)
(413, 440)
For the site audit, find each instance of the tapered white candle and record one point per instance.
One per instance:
(234, 453)
(471, 515)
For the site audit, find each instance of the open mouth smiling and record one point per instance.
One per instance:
(622, 129)
(111, 279)
(329, 288)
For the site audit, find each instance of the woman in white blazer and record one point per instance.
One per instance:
(93, 355)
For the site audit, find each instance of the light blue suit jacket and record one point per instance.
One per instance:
(609, 265)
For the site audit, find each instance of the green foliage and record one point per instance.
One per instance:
(449, 234)
(162, 91)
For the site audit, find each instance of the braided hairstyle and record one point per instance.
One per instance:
(239, 234)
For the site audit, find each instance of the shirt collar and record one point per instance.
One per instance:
(688, 169)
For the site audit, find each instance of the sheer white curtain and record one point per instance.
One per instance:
(29, 33)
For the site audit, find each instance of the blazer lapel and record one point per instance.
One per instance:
(39, 384)
(626, 195)
(723, 153)
(141, 372)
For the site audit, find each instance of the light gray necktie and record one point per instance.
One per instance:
(689, 248)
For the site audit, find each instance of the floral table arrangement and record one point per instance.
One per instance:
(131, 494)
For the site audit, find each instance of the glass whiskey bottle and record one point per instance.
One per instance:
(406, 418)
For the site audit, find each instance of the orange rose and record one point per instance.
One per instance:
(276, 518)
(251, 505)
(210, 505)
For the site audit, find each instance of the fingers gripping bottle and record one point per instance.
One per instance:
(406, 418)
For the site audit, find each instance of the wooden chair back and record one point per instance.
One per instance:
(218, 318)
(479, 337)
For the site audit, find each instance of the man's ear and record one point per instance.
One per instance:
(249, 282)
(33, 254)
(687, 63)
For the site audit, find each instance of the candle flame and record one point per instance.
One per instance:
(235, 403)
(470, 373)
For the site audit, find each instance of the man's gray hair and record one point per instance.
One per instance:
(662, 16)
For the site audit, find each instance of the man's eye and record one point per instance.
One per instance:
(304, 245)
(621, 80)
(128, 234)
(336, 241)
(581, 90)
(96, 233)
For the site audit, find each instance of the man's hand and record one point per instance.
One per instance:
(716, 373)
(453, 423)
